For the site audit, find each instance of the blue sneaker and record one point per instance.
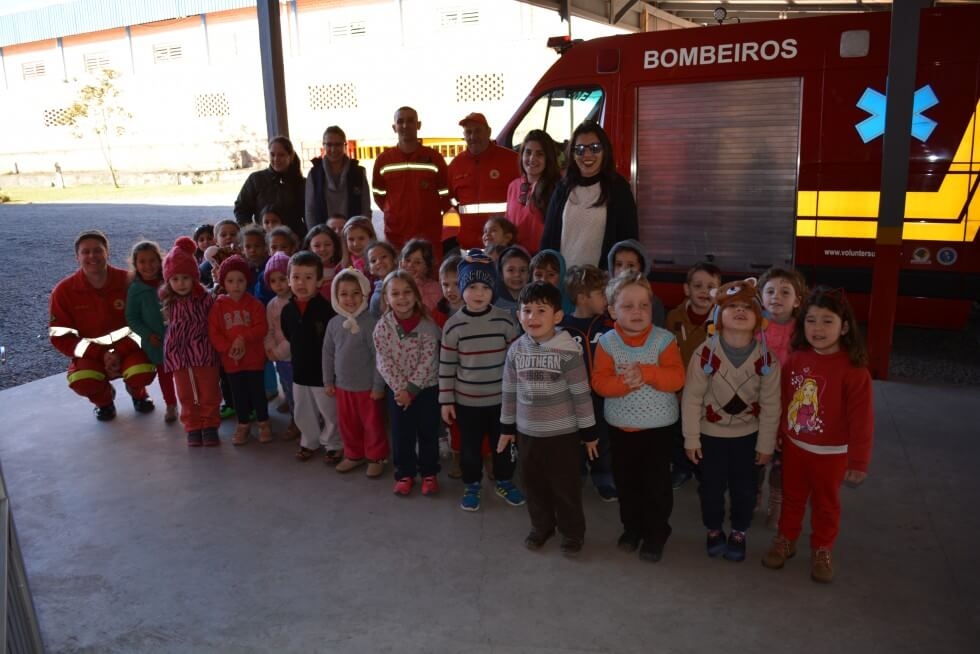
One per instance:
(511, 493)
(471, 498)
(735, 548)
(716, 544)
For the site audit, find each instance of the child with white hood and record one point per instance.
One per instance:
(351, 376)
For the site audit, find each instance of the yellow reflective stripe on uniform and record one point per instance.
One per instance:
(398, 167)
(138, 369)
(79, 375)
(443, 192)
(485, 207)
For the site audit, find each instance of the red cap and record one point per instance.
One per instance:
(474, 117)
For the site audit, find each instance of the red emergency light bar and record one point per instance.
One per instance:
(562, 43)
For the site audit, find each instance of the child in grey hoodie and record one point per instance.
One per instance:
(547, 401)
(351, 376)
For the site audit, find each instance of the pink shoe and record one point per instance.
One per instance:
(430, 485)
(403, 486)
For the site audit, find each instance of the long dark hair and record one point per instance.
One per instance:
(833, 299)
(607, 173)
(552, 172)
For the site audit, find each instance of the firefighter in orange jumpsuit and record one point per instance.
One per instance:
(88, 324)
(478, 180)
(410, 186)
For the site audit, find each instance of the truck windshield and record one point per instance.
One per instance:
(559, 112)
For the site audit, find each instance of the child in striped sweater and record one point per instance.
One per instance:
(471, 361)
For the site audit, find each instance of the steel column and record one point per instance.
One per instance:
(273, 75)
(900, 88)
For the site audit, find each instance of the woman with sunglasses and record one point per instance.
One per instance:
(529, 194)
(592, 207)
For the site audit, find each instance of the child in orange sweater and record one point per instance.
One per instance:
(638, 370)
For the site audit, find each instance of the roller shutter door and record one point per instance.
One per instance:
(716, 172)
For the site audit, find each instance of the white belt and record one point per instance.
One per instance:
(485, 207)
(818, 449)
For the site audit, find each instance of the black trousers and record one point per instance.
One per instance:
(552, 485)
(728, 465)
(248, 389)
(641, 468)
(475, 424)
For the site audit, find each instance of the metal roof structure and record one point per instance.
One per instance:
(74, 17)
(635, 14)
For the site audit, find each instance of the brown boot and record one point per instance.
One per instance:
(821, 566)
(455, 472)
(265, 432)
(781, 550)
(241, 433)
(349, 464)
(375, 468)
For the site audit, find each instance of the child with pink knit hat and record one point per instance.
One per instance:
(187, 350)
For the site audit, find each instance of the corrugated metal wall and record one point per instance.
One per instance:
(84, 16)
(716, 172)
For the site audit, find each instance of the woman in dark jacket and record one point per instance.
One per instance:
(593, 208)
(282, 184)
(336, 185)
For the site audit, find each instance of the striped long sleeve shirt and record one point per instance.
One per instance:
(546, 389)
(471, 358)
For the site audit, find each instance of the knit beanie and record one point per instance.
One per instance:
(347, 274)
(181, 261)
(744, 291)
(476, 266)
(234, 262)
(278, 262)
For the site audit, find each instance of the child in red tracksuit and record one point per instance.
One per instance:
(187, 351)
(237, 327)
(827, 427)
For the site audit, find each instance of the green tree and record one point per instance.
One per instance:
(99, 110)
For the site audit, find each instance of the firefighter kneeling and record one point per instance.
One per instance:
(88, 324)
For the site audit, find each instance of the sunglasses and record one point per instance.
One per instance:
(580, 148)
(525, 189)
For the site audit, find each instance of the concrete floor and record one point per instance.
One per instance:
(134, 543)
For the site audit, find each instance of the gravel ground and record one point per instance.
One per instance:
(39, 253)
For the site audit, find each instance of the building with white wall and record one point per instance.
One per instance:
(193, 82)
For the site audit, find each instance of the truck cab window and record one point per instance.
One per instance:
(559, 112)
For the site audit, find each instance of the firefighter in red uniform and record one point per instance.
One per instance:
(478, 180)
(88, 324)
(410, 186)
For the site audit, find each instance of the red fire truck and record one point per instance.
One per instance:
(760, 144)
